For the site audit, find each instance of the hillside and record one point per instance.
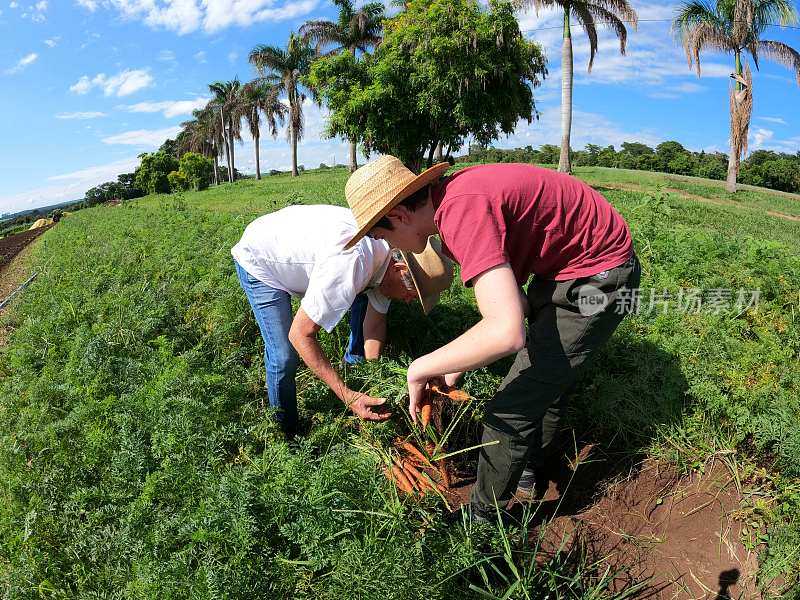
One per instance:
(136, 459)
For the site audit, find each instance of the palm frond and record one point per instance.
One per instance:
(606, 17)
(622, 9)
(264, 58)
(586, 20)
(783, 54)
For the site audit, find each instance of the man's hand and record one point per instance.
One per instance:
(417, 388)
(362, 406)
(451, 379)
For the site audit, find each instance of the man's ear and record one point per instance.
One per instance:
(399, 214)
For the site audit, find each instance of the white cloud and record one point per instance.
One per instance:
(200, 57)
(80, 116)
(232, 56)
(166, 56)
(186, 16)
(151, 138)
(23, 63)
(52, 42)
(653, 58)
(761, 136)
(774, 120)
(170, 108)
(69, 186)
(122, 84)
(13, 5)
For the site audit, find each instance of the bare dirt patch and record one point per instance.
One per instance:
(12, 274)
(678, 534)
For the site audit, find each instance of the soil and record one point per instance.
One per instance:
(12, 245)
(677, 534)
(13, 271)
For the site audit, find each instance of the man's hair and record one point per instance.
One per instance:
(412, 203)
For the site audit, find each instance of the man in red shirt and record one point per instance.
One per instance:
(509, 225)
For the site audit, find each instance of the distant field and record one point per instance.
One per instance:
(136, 461)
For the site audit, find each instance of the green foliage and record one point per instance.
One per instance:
(777, 171)
(177, 182)
(136, 459)
(152, 174)
(445, 69)
(197, 170)
(122, 189)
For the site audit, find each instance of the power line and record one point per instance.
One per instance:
(642, 21)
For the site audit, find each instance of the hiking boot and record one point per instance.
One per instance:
(526, 488)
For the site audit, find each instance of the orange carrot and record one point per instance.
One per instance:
(425, 414)
(401, 480)
(414, 451)
(452, 393)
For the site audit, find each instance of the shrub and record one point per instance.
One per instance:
(177, 182)
(197, 170)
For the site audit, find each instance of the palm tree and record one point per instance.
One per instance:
(259, 98)
(736, 26)
(353, 31)
(589, 13)
(227, 101)
(203, 135)
(285, 67)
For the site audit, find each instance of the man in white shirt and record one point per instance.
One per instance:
(299, 251)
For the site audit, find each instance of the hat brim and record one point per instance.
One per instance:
(420, 181)
(431, 300)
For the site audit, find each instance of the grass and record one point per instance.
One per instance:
(136, 460)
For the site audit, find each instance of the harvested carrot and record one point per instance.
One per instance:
(452, 393)
(401, 480)
(414, 451)
(425, 414)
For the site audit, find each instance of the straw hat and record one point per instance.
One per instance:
(379, 186)
(431, 271)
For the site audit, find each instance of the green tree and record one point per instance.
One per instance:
(196, 170)
(590, 14)
(736, 27)
(203, 134)
(285, 68)
(353, 31)
(446, 69)
(227, 103)
(261, 99)
(152, 175)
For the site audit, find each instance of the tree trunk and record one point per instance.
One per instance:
(295, 172)
(564, 162)
(353, 148)
(233, 156)
(216, 168)
(353, 157)
(733, 159)
(256, 139)
(437, 155)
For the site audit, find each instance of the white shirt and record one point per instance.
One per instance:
(299, 249)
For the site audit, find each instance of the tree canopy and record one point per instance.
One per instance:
(446, 69)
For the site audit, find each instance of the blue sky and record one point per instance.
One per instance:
(90, 84)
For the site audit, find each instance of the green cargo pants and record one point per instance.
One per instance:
(567, 322)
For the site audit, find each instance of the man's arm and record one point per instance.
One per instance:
(374, 333)
(303, 336)
(499, 333)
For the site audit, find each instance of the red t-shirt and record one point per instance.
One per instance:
(539, 221)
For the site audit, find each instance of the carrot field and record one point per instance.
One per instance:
(137, 460)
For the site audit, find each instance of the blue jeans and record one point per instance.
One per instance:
(272, 309)
(273, 312)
